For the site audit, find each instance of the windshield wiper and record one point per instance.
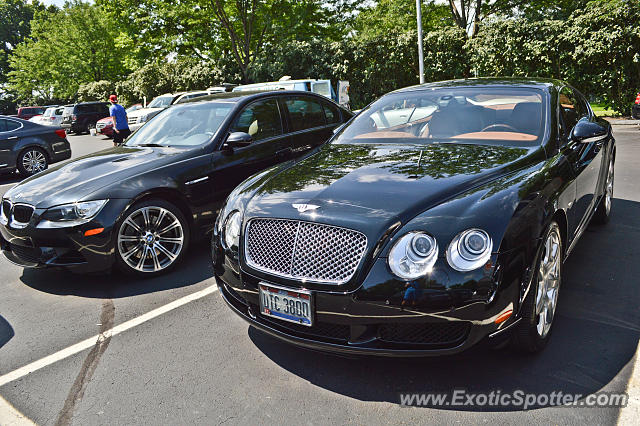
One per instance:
(153, 145)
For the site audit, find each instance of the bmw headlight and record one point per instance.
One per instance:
(231, 234)
(469, 250)
(71, 214)
(413, 255)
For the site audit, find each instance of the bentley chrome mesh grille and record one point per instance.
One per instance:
(304, 250)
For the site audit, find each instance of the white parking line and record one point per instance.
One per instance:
(9, 416)
(90, 342)
(630, 414)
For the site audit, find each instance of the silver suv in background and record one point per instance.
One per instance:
(139, 117)
(198, 93)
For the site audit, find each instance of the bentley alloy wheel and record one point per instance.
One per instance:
(548, 282)
(539, 306)
(601, 216)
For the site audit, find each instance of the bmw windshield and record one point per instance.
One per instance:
(182, 125)
(487, 115)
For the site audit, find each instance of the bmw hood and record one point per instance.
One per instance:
(78, 179)
(370, 187)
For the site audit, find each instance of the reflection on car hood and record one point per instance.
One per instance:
(78, 179)
(356, 185)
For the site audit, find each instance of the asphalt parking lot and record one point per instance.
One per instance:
(196, 362)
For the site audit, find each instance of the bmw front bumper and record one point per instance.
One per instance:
(33, 247)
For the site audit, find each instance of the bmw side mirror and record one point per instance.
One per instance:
(588, 131)
(238, 140)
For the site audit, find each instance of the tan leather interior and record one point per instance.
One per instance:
(507, 136)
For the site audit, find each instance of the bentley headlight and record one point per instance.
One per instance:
(70, 214)
(469, 250)
(413, 255)
(231, 234)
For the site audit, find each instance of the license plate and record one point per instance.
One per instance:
(286, 304)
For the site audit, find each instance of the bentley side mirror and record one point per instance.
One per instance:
(588, 131)
(238, 140)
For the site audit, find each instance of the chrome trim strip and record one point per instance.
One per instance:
(17, 224)
(495, 333)
(3, 165)
(14, 130)
(202, 179)
(593, 139)
(3, 220)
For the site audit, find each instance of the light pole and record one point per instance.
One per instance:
(420, 53)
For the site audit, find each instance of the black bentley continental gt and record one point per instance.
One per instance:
(138, 205)
(439, 217)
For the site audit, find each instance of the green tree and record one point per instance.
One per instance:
(65, 48)
(521, 47)
(15, 19)
(181, 74)
(95, 91)
(209, 29)
(469, 14)
(605, 51)
(398, 17)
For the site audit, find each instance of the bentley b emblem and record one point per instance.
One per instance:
(304, 207)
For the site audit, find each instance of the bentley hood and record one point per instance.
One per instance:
(370, 186)
(78, 179)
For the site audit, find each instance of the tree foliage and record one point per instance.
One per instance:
(605, 37)
(65, 48)
(148, 47)
(399, 17)
(96, 91)
(15, 25)
(597, 49)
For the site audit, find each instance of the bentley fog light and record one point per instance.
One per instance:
(232, 230)
(413, 255)
(469, 250)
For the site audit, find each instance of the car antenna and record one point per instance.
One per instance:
(420, 159)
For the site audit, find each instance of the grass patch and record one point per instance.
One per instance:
(601, 111)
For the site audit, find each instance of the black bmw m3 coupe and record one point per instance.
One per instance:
(437, 218)
(137, 206)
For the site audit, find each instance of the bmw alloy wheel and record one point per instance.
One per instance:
(150, 239)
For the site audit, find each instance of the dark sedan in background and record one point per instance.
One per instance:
(79, 118)
(138, 205)
(29, 147)
(439, 217)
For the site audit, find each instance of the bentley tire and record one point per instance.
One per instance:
(603, 211)
(539, 306)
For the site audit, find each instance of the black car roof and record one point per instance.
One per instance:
(539, 83)
(254, 94)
